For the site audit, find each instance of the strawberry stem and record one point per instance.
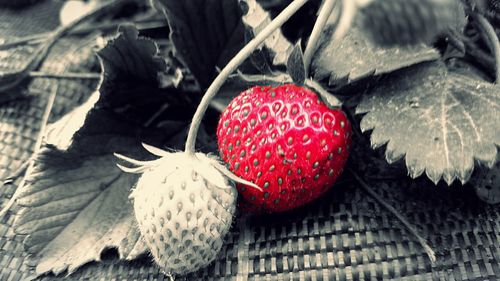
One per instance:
(492, 41)
(318, 29)
(349, 11)
(68, 75)
(17, 173)
(38, 145)
(428, 250)
(242, 55)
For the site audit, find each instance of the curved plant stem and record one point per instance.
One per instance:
(38, 144)
(430, 253)
(242, 55)
(67, 75)
(493, 41)
(319, 27)
(31, 39)
(21, 171)
(349, 10)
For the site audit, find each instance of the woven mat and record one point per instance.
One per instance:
(345, 235)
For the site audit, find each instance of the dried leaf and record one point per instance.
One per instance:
(73, 210)
(206, 34)
(74, 200)
(440, 121)
(356, 56)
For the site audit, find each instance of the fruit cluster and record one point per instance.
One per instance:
(285, 148)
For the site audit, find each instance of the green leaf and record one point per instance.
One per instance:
(128, 60)
(440, 121)
(74, 200)
(276, 48)
(295, 65)
(356, 56)
(206, 34)
(412, 21)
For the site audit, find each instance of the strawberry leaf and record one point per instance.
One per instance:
(276, 48)
(295, 65)
(412, 21)
(440, 121)
(356, 56)
(206, 34)
(74, 205)
(74, 200)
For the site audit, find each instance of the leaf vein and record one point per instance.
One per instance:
(488, 101)
(469, 118)
(44, 192)
(58, 225)
(444, 129)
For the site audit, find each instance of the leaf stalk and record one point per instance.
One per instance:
(318, 29)
(493, 41)
(38, 145)
(428, 250)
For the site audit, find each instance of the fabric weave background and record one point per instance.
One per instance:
(345, 235)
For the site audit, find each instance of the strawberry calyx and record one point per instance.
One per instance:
(199, 162)
(278, 78)
(329, 99)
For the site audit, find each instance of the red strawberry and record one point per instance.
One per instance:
(285, 140)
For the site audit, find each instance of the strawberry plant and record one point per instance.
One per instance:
(235, 108)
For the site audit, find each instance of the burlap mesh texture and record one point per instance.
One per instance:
(344, 236)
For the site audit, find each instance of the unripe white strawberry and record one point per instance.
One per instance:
(184, 207)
